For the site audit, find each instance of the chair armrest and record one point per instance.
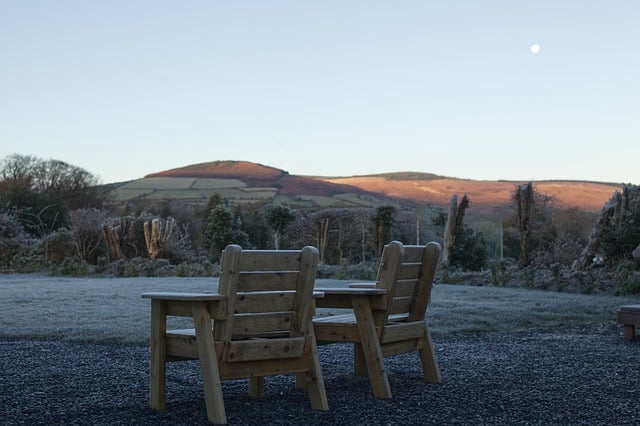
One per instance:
(188, 297)
(362, 285)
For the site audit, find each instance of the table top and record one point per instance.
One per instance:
(198, 297)
(353, 290)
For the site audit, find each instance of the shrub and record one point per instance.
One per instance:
(88, 236)
(629, 278)
(500, 271)
(57, 246)
(14, 242)
(71, 266)
(470, 250)
(623, 233)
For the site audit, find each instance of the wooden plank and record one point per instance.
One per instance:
(256, 387)
(264, 301)
(263, 349)
(403, 331)
(313, 379)
(429, 360)
(182, 343)
(400, 347)
(209, 365)
(270, 260)
(269, 367)
(341, 298)
(362, 285)
(628, 318)
(336, 319)
(413, 253)
(400, 305)
(409, 270)
(336, 331)
(259, 324)
(264, 281)
(158, 355)
(422, 297)
(308, 268)
(405, 287)
(170, 295)
(371, 347)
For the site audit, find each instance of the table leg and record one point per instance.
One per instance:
(629, 331)
(158, 354)
(371, 347)
(208, 364)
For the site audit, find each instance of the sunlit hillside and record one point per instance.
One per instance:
(246, 182)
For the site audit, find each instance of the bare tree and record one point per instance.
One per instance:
(453, 225)
(524, 199)
(88, 238)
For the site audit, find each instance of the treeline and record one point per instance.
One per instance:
(57, 217)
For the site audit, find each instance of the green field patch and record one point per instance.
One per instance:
(159, 183)
(263, 189)
(358, 200)
(212, 183)
(124, 194)
(174, 194)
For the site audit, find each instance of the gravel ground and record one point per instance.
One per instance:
(566, 377)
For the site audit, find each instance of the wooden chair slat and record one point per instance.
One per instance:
(413, 253)
(264, 301)
(249, 325)
(409, 270)
(400, 305)
(267, 280)
(270, 260)
(405, 288)
(264, 349)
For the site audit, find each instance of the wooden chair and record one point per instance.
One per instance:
(262, 327)
(407, 273)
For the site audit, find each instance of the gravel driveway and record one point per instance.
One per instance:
(586, 376)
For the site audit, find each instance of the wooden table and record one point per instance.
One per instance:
(629, 317)
(202, 307)
(364, 301)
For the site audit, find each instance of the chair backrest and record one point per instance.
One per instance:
(407, 272)
(269, 295)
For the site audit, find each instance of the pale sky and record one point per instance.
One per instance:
(125, 88)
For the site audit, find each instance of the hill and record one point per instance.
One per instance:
(246, 182)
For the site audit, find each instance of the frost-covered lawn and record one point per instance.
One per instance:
(112, 309)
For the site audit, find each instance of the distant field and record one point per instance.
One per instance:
(233, 181)
(195, 190)
(112, 310)
(160, 183)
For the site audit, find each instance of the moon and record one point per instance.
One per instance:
(535, 48)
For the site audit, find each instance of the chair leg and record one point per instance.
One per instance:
(428, 359)
(209, 365)
(314, 381)
(256, 387)
(359, 364)
(157, 396)
(301, 381)
(370, 344)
